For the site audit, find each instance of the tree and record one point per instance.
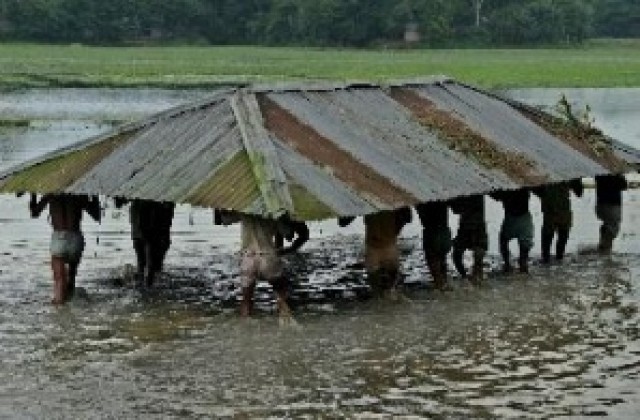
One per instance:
(618, 18)
(477, 7)
(318, 22)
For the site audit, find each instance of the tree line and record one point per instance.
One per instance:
(356, 23)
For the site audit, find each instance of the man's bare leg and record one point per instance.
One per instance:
(605, 246)
(148, 267)
(506, 257)
(138, 246)
(71, 280)
(246, 305)
(546, 240)
(285, 316)
(439, 275)
(393, 292)
(458, 261)
(561, 244)
(281, 288)
(523, 260)
(442, 260)
(284, 311)
(59, 280)
(477, 272)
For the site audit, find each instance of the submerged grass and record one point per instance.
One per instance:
(14, 123)
(597, 64)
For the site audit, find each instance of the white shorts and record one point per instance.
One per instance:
(259, 265)
(67, 245)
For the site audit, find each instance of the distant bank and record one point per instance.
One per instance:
(600, 63)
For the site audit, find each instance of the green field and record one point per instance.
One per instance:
(598, 64)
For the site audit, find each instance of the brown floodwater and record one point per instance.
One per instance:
(560, 342)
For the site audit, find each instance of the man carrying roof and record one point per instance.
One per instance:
(67, 242)
(555, 202)
(436, 239)
(260, 256)
(382, 257)
(609, 208)
(260, 261)
(517, 224)
(151, 235)
(472, 234)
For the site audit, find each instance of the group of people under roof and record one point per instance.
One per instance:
(262, 240)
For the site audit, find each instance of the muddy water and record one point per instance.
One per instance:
(563, 341)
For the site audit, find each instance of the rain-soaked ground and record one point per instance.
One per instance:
(562, 341)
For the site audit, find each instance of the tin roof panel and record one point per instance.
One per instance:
(327, 151)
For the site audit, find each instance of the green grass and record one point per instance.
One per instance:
(601, 63)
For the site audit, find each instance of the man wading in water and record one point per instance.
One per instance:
(67, 242)
(151, 236)
(382, 257)
(517, 224)
(609, 208)
(472, 235)
(436, 239)
(555, 201)
(260, 258)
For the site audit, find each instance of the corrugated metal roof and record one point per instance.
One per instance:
(322, 151)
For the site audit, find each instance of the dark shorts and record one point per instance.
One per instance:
(518, 227)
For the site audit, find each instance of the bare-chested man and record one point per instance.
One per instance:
(260, 258)
(67, 242)
(382, 257)
(260, 261)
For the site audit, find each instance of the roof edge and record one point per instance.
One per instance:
(328, 85)
(120, 130)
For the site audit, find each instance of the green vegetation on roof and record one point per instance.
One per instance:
(54, 175)
(307, 206)
(232, 186)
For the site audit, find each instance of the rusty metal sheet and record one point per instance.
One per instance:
(321, 182)
(378, 133)
(327, 151)
(506, 127)
(182, 151)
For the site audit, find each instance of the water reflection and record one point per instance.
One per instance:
(563, 341)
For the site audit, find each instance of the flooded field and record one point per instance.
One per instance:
(563, 341)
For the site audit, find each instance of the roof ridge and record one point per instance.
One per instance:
(262, 154)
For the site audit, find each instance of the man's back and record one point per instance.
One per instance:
(66, 212)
